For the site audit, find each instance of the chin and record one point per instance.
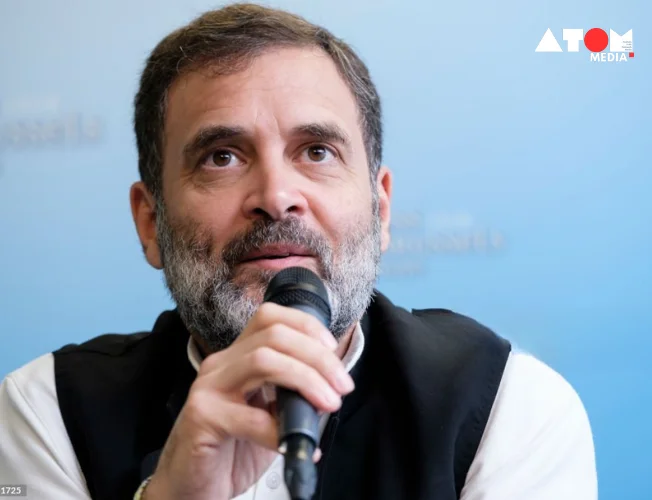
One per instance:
(253, 281)
(255, 294)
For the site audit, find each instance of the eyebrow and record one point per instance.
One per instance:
(325, 131)
(320, 131)
(210, 135)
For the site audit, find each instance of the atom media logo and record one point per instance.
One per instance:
(595, 40)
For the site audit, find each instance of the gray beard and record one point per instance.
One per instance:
(216, 307)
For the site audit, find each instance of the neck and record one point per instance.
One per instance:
(344, 342)
(201, 345)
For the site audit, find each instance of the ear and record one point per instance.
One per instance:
(384, 187)
(143, 211)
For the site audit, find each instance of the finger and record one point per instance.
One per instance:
(269, 314)
(223, 418)
(307, 350)
(251, 424)
(264, 364)
(298, 346)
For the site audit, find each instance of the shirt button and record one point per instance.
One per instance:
(273, 480)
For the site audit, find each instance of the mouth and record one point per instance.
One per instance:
(278, 256)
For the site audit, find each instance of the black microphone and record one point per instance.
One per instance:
(299, 288)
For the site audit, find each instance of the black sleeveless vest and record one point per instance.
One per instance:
(425, 386)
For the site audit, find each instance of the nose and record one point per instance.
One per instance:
(274, 193)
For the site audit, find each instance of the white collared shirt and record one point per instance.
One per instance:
(537, 444)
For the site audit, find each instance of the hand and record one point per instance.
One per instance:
(222, 442)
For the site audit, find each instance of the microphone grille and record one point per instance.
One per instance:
(294, 276)
(298, 285)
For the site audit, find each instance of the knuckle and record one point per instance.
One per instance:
(265, 309)
(328, 364)
(276, 334)
(315, 328)
(304, 374)
(196, 407)
(309, 325)
(261, 358)
(209, 363)
(199, 451)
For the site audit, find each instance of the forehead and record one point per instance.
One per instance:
(279, 90)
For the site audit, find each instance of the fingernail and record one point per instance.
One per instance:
(345, 382)
(330, 341)
(333, 398)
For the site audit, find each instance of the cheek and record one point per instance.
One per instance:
(350, 195)
(216, 217)
(343, 217)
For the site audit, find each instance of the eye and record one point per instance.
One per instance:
(220, 158)
(318, 153)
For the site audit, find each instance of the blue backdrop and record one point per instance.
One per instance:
(522, 183)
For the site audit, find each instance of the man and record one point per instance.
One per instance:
(259, 139)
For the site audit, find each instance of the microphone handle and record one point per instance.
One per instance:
(299, 433)
(299, 423)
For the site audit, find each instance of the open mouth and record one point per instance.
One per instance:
(273, 257)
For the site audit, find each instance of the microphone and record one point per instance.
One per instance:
(299, 288)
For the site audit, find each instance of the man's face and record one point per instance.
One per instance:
(266, 169)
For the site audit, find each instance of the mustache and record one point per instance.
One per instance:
(291, 231)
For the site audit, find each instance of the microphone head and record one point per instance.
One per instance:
(298, 286)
